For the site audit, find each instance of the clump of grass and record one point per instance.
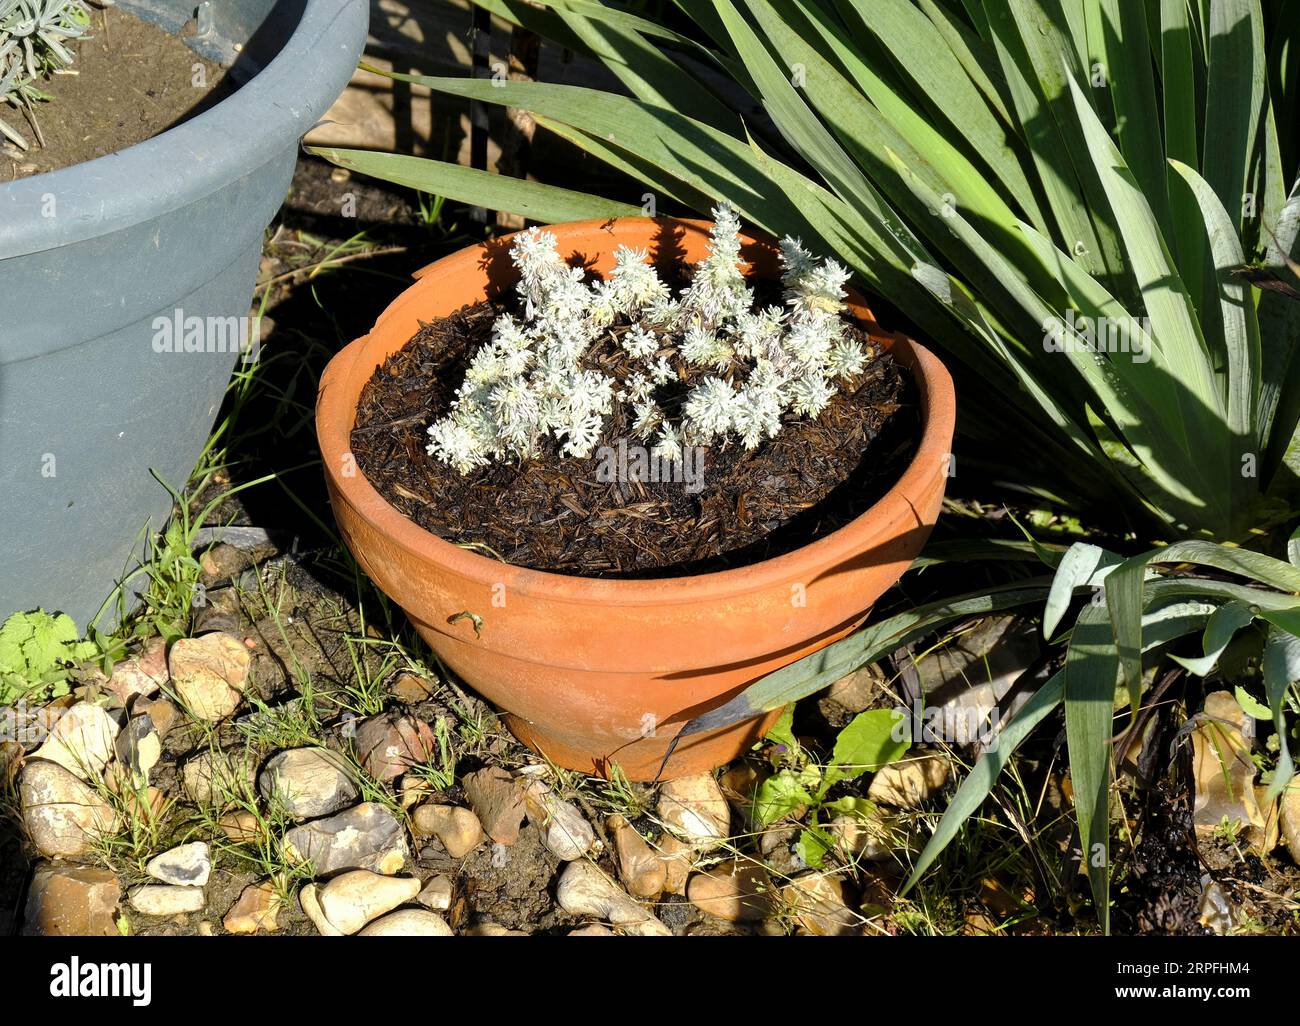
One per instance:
(439, 770)
(617, 795)
(291, 725)
(146, 828)
(263, 852)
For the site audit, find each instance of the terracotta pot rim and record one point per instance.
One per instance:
(336, 414)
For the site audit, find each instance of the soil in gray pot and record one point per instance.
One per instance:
(132, 81)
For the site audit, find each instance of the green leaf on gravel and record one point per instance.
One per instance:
(871, 740)
(813, 845)
(782, 793)
(1252, 708)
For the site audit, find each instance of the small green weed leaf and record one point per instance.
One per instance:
(872, 739)
(813, 845)
(782, 736)
(849, 805)
(782, 793)
(34, 649)
(1252, 708)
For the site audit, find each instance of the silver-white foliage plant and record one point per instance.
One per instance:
(33, 38)
(528, 383)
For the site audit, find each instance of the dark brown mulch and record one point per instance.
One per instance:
(552, 513)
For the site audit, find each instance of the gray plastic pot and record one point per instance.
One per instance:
(94, 409)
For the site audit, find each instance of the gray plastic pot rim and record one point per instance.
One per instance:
(241, 133)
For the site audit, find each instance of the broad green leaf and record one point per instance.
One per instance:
(1250, 707)
(870, 740)
(17, 630)
(782, 793)
(813, 845)
(852, 805)
(782, 732)
(1207, 588)
(1164, 621)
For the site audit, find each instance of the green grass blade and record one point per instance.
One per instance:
(984, 774)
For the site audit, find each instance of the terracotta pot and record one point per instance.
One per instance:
(601, 672)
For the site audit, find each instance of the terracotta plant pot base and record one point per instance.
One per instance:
(597, 673)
